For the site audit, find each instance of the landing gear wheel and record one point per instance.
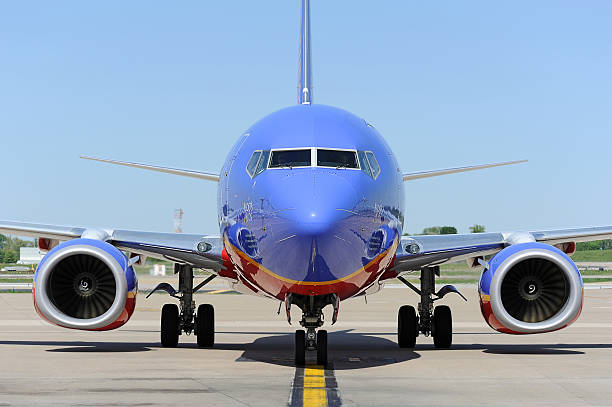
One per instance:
(322, 347)
(300, 347)
(205, 326)
(442, 329)
(407, 327)
(170, 326)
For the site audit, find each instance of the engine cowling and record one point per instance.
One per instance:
(530, 288)
(85, 284)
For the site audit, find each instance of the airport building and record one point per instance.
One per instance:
(30, 255)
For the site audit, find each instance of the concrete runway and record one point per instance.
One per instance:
(252, 362)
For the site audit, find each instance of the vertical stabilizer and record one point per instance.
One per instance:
(305, 70)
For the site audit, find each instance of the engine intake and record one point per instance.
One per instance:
(85, 284)
(82, 286)
(530, 288)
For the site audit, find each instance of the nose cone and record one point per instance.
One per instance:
(311, 233)
(316, 202)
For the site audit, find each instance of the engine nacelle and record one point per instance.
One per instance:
(85, 284)
(530, 288)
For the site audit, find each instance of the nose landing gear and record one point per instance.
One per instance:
(310, 340)
(312, 319)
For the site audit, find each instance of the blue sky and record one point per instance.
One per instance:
(446, 83)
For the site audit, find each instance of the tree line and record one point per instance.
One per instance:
(450, 230)
(595, 245)
(9, 248)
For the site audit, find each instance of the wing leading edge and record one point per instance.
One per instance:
(184, 173)
(198, 250)
(438, 173)
(416, 252)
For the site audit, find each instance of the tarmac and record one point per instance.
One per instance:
(252, 361)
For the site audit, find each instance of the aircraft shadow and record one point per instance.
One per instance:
(533, 349)
(346, 350)
(81, 346)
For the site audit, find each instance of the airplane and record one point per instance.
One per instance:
(311, 213)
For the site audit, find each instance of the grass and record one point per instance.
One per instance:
(468, 273)
(597, 280)
(15, 280)
(17, 272)
(596, 273)
(593, 255)
(474, 280)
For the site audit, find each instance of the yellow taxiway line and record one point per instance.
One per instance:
(315, 393)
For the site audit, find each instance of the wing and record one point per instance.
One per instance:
(416, 252)
(199, 250)
(428, 174)
(175, 171)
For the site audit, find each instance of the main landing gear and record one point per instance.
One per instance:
(312, 318)
(175, 321)
(436, 322)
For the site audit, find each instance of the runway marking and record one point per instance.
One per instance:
(218, 292)
(314, 386)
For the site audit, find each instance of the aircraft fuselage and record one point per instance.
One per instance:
(311, 219)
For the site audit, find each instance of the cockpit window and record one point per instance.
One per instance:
(290, 158)
(373, 164)
(368, 162)
(365, 167)
(336, 158)
(252, 165)
(263, 162)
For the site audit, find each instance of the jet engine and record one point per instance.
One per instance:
(85, 284)
(530, 288)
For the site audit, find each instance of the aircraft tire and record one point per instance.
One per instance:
(170, 326)
(442, 327)
(205, 326)
(407, 327)
(322, 347)
(300, 347)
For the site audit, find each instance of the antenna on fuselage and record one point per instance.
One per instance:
(305, 69)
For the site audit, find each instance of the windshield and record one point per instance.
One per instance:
(373, 164)
(253, 163)
(290, 158)
(336, 158)
(263, 162)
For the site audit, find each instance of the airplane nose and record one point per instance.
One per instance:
(319, 203)
(313, 218)
(312, 228)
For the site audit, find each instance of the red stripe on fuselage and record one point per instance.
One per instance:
(279, 286)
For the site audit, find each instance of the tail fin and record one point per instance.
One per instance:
(305, 70)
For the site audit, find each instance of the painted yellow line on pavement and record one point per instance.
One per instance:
(315, 394)
(218, 292)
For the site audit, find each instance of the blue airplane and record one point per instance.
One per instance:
(310, 209)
